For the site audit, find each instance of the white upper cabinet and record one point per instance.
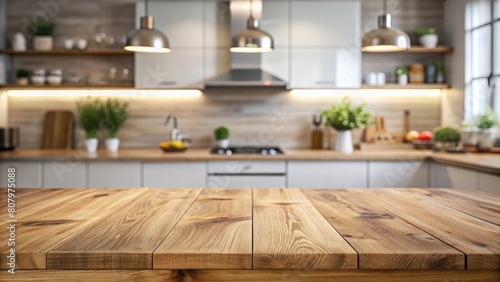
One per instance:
(275, 20)
(182, 23)
(181, 68)
(324, 44)
(325, 23)
(336, 67)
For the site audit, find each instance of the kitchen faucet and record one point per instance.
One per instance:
(175, 130)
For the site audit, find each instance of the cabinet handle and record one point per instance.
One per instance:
(325, 82)
(169, 82)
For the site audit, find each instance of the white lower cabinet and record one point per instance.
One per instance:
(444, 176)
(488, 183)
(64, 174)
(114, 174)
(174, 175)
(28, 174)
(327, 174)
(389, 174)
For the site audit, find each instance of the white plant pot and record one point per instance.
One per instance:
(428, 40)
(43, 43)
(224, 143)
(91, 144)
(469, 136)
(486, 138)
(343, 141)
(112, 144)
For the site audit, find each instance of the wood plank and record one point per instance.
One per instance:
(68, 86)
(126, 237)
(343, 275)
(478, 239)
(440, 49)
(485, 209)
(409, 86)
(381, 239)
(215, 233)
(48, 218)
(92, 275)
(289, 233)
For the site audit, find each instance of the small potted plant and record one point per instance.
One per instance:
(446, 137)
(427, 37)
(114, 113)
(22, 76)
(402, 75)
(487, 124)
(344, 118)
(43, 31)
(222, 136)
(90, 116)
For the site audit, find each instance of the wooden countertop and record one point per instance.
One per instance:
(489, 163)
(249, 235)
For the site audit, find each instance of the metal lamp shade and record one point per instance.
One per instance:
(385, 38)
(147, 39)
(252, 39)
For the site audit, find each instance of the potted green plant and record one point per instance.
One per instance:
(487, 124)
(114, 113)
(22, 76)
(344, 117)
(402, 75)
(43, 31)
(222, 136)
(90, 116)
(446, 137)
(427, 37)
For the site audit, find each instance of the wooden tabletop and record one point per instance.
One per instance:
(244, 232)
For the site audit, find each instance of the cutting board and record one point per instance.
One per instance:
(58, 130)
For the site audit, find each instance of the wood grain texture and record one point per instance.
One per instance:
(381, 239)
(126, 236)
(47, 217)
(253, 275)
(58, 130)
(485, 208)
(215, 233)
(289, 233)
(92, 275)
(477, 239)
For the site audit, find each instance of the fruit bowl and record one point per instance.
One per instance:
(174, 146)
(422, 144)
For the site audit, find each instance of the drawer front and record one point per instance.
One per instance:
(246, 181)
(246, 167)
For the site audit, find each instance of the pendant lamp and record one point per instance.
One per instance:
(252, 39)
(147, 39)
(385, 38)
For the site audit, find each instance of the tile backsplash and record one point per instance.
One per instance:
(254, 115)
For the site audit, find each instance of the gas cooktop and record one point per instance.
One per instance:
(265, 151)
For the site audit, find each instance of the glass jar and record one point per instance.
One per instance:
(417, 73)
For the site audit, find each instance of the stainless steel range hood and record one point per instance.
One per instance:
(245, 68)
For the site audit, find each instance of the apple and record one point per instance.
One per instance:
(412, 135)
(425, 135)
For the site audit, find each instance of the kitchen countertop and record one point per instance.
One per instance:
(248, 235)
(485, 162)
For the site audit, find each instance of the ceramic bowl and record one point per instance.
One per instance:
(54, 79)
(38, 79)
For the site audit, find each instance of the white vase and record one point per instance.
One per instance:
(43, 43)
(343, 141)
(19, 42)
(224, 143)
(486, 137)
(469, 136)
(91, 144)
(428, 40)
(112, 144)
